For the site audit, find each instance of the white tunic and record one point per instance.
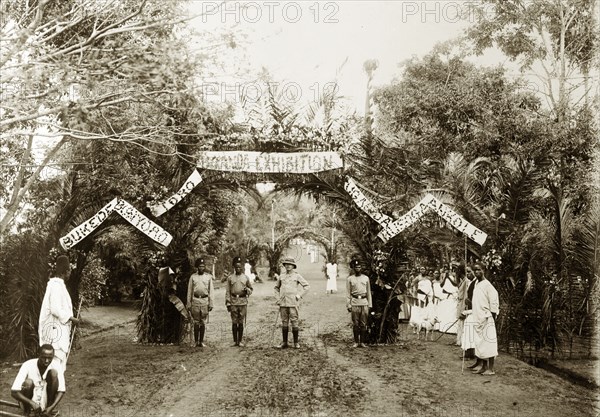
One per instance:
(485, 302)
(248, 272)
(425, 286)
(30, 370)
(54, 325)
(332, 272)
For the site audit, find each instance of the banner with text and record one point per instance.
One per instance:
(293, 163)
(405, 220)
(142, 223)
(429, 202)
(457, 221)
(161, 208)
(84, 229)
(365, 204)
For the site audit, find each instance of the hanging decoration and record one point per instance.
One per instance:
(84, 229)
(405, 221)
(365, 204)
(161, 208)
(128, 212)
(261, 162)
(143, 223)
(430, 202)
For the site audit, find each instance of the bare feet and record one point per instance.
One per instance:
(488, 372)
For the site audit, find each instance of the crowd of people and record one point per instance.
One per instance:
(457, 300)
(432, 294)
(452, 300)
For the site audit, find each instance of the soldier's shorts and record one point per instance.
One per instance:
(360, 315)
(238, 314)
(199, 312)
(289, 314)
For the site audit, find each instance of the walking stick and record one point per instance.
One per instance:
(275, 326)
(449, 327)
(74, 329)
(191, 328)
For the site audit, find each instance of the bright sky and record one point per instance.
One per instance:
(305, 43)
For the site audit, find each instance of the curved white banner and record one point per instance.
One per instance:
(429, 202)
(161, 208)
(270, 162)
(365, 204)
(404, 221)
(143, 223)
(84, 229)
(128, 212)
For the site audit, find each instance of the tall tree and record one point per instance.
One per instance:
(77, 71)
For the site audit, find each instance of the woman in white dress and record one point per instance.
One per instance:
(436, 284)
(447, 306)
(421, 310)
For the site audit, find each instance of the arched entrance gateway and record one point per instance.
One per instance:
(329, 176)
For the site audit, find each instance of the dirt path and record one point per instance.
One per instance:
(207, 389)
(112, 375)
(328, 378)
(378, 401)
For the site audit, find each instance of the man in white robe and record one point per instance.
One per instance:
(485, 309)
(56, 314)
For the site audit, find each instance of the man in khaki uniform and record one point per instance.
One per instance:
(358, 302)
(200, 299)
(237, 290)
(289, 290)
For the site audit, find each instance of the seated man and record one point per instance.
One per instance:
(40, 384)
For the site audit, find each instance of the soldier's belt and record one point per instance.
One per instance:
(201, 296)
(360, 297)
(239, 296)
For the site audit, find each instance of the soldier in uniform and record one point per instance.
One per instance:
(358, 296)
(289, 290)
(200, 299)
(237, 290)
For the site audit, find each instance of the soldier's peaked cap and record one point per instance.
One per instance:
(199, 261)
